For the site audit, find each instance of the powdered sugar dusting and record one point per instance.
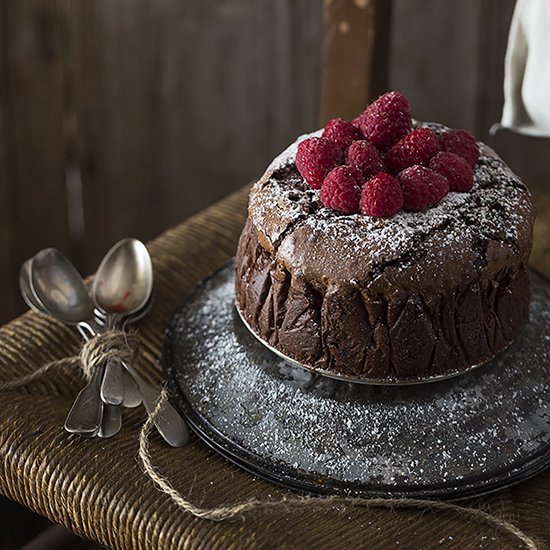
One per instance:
(445, 436)
(290, 216)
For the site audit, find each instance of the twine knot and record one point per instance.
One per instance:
(113, 344)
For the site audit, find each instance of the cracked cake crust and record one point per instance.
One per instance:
(402, 298)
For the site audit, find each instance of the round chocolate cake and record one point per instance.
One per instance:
(404, 298)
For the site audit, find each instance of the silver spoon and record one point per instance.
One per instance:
(112, 421)
(26, 291)
(117, 384)
(61, 290)
(32, 300)
(124, 280)
(168, 422)
(122, 286)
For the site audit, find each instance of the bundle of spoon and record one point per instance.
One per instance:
(120, 294)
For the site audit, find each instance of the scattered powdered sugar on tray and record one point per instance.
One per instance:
(316, 431)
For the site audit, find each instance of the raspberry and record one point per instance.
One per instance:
(416, 148)
(316, 157)
(342, 189)
(341, 132)
(455, 169)
(386, 120)
(382, 196)
(462, 143)
(357, 122)
(422, 187)
(366, 157)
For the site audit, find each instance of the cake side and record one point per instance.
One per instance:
(355, 334)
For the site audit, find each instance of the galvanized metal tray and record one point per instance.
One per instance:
(469, 435)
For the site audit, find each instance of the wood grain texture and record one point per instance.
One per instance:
(180, 100)
(526, 155)
(540, 255)
(494, 18)
(347, 54)
(8, 302)
(33, 167)
(434, 59)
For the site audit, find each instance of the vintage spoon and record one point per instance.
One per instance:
(171, 426)
(61, 290)
(112, 421)
(111, 385)
(26, 291)
(124, 280)
(86, 414)
(122, 287)
(123, 284)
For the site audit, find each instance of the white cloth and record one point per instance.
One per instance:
(527, 70)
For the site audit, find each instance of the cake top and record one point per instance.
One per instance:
(464, 235)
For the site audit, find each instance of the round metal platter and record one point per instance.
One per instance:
(468, 435)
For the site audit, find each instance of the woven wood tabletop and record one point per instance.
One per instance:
(97, 489)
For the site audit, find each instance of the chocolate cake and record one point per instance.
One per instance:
(403, 298)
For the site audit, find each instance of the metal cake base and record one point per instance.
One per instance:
(469, 435)
(354, 380)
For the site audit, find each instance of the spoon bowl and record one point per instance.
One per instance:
(26, 290)
(124, 280)
(60, 287)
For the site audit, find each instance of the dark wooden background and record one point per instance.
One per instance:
(123, 117)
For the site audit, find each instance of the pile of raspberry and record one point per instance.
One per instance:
(378, 164)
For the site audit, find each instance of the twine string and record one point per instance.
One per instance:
(113, 344)
(232, 511)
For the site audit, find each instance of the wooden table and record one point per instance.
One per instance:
(97, 489)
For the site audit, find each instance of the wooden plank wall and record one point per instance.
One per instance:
(33, 209)
(144, 111)
(176, 99)
(354, 56)
(448, 57)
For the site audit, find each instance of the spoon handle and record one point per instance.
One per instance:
(112, 387)
(132, 397)
(87, 411)
(171, 426)
(111, 422)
